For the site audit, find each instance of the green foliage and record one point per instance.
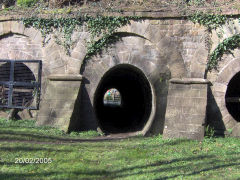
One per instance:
(26, 3)
(209, 131)
(126, 159)
(101, 28)
(210, 21)
(229, 130)
(66, 26)
(86, 134)
(226, 46)
(104, 27)
(21, 123)
(31, 128)
(197, 2)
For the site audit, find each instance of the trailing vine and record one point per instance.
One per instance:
(213, 22)
(101, 28)
(224, 47)
(210, 21)
(102, 32)
(66, 26)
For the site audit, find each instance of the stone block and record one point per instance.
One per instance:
(61, 113)
(192, 119)
(198, 86)
(229, 122)
(6, 27)
(236, 131)
(194, 110)
(185, 102)
(178, 86)
(154, 22)
(140, 27)
(61, 123)
(30, 32)
(193, 93)
(62, 93)
(185, 118)
(196, 135)
(188, 127)
(156, 32)
(17, 27)
(45, 108)
(43, 120)
(219, 87)
(175, 92)
(62, 104)
(59, 101)
(171, 101)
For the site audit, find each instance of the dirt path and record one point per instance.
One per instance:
(111, 137)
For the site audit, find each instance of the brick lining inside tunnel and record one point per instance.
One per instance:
(136, 96)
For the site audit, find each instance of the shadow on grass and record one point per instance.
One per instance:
(161, 169)
(52, 139)
(20, 148)
(38, 137)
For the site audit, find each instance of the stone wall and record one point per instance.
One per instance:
(162, 48)
(186, 108)
(59, 102)
(217, 113)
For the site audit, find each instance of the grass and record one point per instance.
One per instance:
(26, 130)
(66, 7)
(132, 158)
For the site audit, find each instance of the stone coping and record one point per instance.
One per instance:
(65, 77)
(160, 13)
(189, 81)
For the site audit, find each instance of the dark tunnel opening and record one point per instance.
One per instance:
(232, 97)
(136, 100)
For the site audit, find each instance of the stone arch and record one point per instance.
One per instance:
(54, 59)
(137, 110)
(22, 73)
(141, 53)
(218, 91)
(20, 43)
(15, 27)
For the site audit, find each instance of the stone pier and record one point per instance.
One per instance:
(59, 101)
(186, 108)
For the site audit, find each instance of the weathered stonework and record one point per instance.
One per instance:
(186, 108)
(59, 101)
(161, 48)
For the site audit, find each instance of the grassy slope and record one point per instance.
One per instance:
(133, 158)
(62, 7)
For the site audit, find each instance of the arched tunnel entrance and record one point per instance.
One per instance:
(22, 95)
(232, 97)
(132, 110)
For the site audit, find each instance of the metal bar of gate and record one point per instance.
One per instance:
(39, 83)
(22, 61)
(10, 84)
(20, 83)
(10, 92)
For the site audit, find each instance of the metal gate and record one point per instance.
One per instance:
(20, 83)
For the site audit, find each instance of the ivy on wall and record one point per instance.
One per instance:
(210, 21)
(213, 22)
(226, 46)
(66, 26)
(102, 32)
(101, 29)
